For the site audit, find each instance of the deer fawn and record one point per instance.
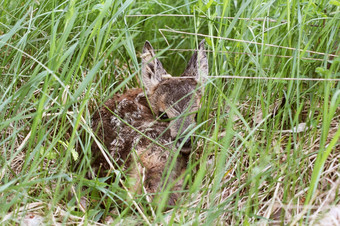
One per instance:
(145, 132)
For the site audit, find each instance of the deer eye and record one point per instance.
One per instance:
(163, 115)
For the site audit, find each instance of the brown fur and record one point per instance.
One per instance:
(146, 151)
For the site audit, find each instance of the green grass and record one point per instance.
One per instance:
(60, 60)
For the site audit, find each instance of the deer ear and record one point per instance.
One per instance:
(198, 65)
(152, 69)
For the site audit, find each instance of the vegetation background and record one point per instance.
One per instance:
(267, 140)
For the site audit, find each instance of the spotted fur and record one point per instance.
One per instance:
(129, 125)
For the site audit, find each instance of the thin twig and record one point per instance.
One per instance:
(216, 51)
(275, 78)
(268, 78)
(219, 17)
(245, 41)
(202, 16)
(77, 199)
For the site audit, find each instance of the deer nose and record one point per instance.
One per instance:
(187, 143)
